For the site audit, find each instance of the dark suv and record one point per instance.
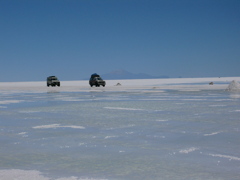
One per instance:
(53, 81)
(96, 80)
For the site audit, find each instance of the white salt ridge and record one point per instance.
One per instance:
(233, 86)
(57, 126)
(214, 133)
(225, 156)
(23, 134)
(108, 137)
(186, 151)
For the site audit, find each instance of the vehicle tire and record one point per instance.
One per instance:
(103, 85)
(58, 84)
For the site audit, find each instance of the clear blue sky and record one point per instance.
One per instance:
(75, 38)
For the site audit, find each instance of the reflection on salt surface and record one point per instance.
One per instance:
(234, 95)
(53, 91)
(235, 110)
(10, 101)
(120, 108)
(57, 126)
(18, 174)
(30, 111)
(217, 105)
(126, 134)
(162, 120)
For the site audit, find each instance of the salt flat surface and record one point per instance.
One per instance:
(143, 129)
(73, 86)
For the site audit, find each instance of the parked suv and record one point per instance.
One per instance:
(96, 80)
(53, 81)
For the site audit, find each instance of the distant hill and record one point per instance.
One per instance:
(123, 74)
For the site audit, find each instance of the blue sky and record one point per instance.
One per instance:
(75, 38)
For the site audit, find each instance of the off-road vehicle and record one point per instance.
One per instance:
(53, 81)
(96, 80)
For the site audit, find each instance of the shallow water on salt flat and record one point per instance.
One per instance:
(142, 134)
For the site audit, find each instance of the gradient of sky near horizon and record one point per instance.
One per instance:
(74, 38)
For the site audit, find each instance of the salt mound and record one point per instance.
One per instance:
(233, 86)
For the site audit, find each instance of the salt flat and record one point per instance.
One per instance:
(75, 86)
(142, 129)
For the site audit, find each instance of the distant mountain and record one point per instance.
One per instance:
(123, 74)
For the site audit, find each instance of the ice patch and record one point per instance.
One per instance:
(57, 126)
(225, 156)
(186, 151)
